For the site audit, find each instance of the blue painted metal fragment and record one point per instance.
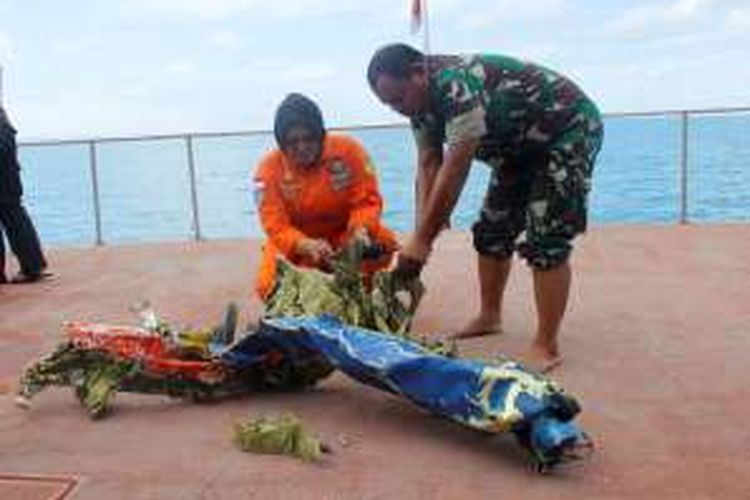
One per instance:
(491, 397)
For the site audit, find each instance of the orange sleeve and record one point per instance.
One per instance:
(366, 202)
(271, 207)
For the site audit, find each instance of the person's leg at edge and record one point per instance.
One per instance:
(556, 214)
(3, 276)
(493, 276)
(500, 222)
(551, 291)
(24, 242)
(559, 216)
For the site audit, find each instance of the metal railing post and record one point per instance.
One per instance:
(193, 190)
(95, 193)
(684, 151)
(682, 156)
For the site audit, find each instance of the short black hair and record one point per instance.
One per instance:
(395, 60)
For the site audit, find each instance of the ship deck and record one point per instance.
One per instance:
(656, 345)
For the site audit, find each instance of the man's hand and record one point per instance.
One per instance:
(316, 250)
(407, 268)
(411, 259)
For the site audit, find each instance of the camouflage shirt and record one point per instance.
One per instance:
(510, 105)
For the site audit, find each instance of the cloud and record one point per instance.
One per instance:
(685, 8)
(212, 9)
(173, 65)
(307, 71)
(503, 10)
(220, 9)
(261, 69)
(739, 19)
(7, 50)
(180, 68)
(225, 40)
(645, 17)
(74, 45)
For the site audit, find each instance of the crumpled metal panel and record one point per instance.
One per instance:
(491, 397)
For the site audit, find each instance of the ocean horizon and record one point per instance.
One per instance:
(145, 196)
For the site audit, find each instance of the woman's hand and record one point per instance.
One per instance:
(362, 236)
(317, 250)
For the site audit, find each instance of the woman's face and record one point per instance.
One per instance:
(302, 146)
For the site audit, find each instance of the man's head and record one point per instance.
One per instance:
(398, 76)
(299, 129)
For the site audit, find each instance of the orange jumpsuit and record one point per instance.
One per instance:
(326, 201)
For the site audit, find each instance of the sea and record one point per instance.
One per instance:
(145, 196)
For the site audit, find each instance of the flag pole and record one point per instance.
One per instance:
(426, 33)
(420, 21)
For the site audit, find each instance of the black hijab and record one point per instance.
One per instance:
(298, 110)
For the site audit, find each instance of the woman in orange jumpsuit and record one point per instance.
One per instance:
(315, 193)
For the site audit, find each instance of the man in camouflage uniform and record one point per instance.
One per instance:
(538, 132)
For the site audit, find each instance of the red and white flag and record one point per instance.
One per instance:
(415, 13)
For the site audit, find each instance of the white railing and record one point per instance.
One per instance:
(188, 139)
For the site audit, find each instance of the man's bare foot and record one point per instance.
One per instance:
(542, 359)
(481, 326)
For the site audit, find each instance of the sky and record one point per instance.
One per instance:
(79, 69)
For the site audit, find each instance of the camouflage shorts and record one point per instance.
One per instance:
(543, 194)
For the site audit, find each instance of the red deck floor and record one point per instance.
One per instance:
(657, 349)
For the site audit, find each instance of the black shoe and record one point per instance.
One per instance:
(21, 277)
